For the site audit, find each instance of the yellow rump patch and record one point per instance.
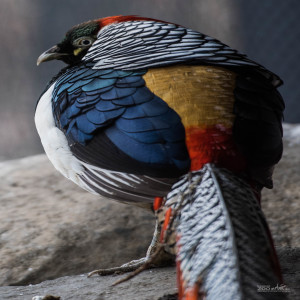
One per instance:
(201, 95)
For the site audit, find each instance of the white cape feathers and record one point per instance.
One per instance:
(137, 45)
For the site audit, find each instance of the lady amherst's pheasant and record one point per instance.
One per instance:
(161, 116)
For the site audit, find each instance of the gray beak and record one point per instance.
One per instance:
(50, 54)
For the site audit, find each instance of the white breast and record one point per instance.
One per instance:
(54, 141)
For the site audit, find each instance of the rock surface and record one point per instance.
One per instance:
(50, 228)
(149, 285)
(281, 205)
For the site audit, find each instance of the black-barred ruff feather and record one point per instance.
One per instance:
(224, 250)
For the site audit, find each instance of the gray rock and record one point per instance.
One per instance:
(51, 228)
(151, 284)
(281, 204)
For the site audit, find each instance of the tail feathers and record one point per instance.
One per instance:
(223, 248)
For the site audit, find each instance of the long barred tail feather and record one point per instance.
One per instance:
(223, 247)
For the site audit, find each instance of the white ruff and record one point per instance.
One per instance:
(55, 143)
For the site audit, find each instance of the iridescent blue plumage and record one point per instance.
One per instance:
(88, 103)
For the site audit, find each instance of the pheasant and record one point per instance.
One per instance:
(154, 114)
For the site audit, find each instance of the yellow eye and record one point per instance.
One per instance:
(83, 42)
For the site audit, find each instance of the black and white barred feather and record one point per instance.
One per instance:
(223, 242)
(134, 45)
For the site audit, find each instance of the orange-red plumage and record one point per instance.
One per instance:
(179, 279)
(192, 293)
(157, 203)
(118, 19)
(213, 144)
(166, 223)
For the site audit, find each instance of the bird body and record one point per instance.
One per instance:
(147, 110)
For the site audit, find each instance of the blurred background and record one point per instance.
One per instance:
(268, 31)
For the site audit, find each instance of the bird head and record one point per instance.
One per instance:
(80, 38)
(74, 45)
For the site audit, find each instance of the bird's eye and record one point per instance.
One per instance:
(86, 42)
(83, 42)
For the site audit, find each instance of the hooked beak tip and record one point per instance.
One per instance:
(39, 61)
(50, 54)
